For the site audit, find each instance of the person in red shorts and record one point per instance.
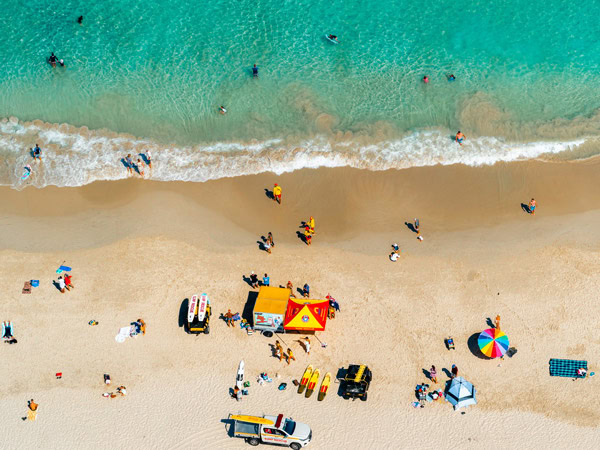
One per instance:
(277, 193)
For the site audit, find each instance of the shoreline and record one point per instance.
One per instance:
(139, 248)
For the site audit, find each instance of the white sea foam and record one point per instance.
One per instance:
(76, 156)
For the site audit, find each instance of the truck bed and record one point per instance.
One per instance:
(245, 429)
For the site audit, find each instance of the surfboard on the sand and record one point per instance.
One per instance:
(305, 378)
(202, 306)
(312, 383)
(324, 386)
(26, 172)
(239, 381)
(62, 269)
(192, 308)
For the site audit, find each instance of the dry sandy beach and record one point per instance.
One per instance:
(139, 248)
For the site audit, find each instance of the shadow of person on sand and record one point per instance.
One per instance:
(411, 227)
(489, 322)
(269, 194)
(273, 351)
(183, 311)
(427, 374)
(474, 346)
(447, 373)
(56, 285)
(525, 207)
(301, 236)
(247, 280)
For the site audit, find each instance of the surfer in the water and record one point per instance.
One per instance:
(222, 110)
(460, 138)
(255, 71)
(451, 77)
(333, 37)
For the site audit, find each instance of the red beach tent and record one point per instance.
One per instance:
(309, 315)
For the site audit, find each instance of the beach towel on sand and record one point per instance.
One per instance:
(31, 415)
(124, 333)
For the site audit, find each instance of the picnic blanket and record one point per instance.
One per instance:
(566, 368)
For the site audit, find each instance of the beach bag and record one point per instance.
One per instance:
(282, 386)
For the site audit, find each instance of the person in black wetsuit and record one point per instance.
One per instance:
(255, 71)
(333, 37)
(80, 20)
(52, 60)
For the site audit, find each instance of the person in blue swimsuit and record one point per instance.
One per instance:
(255, 71)
(451, 77)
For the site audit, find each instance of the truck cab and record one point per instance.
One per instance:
(277, 430)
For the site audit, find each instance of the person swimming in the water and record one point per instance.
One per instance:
(425, 79)
(460, 138)
(52, 60)
(80, 20)
(255, 71)
(451, 77)
(61, 62)
(333, 37)
(222, 110)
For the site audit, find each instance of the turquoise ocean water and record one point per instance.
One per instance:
(151, 75)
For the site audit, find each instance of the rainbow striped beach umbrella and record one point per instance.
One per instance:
(493, 343)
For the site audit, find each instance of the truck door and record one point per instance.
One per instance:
(274, 436)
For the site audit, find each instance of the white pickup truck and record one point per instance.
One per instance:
(277, 430)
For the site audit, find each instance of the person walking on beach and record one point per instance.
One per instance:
(291, 288)
(266, 280)
(290, 356)
(279, 350)
(532, 206)
(497, 322)
(311, 224)
(267, 246)
(307, 236)
(460, 138)
(68, 283)
(129, 164)
(416, 225)
(148, 158)
(433, 374)
(270, 239)
(140, 166)
(454, 371)
(254, 280)
(37, 153)
(277, 193)
(306, 290)
(306, 344)
(229, 318)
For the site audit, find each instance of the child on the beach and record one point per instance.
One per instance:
(254, 280)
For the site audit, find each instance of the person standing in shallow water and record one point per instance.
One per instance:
(80, 20)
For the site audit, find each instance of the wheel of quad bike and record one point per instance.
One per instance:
(295, 446)
(253, 442)
(207, 330)
(364, 398)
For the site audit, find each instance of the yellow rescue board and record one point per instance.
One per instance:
(253, 419)
(305, 378)
(312, 383)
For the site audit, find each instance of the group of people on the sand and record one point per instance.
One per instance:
(288, 355)
(65, 283)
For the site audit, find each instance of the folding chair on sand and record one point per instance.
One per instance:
(449, 343)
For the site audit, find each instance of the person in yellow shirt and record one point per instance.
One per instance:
(307, 236)
(290, 356)
(277, 193)
(311, 224)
